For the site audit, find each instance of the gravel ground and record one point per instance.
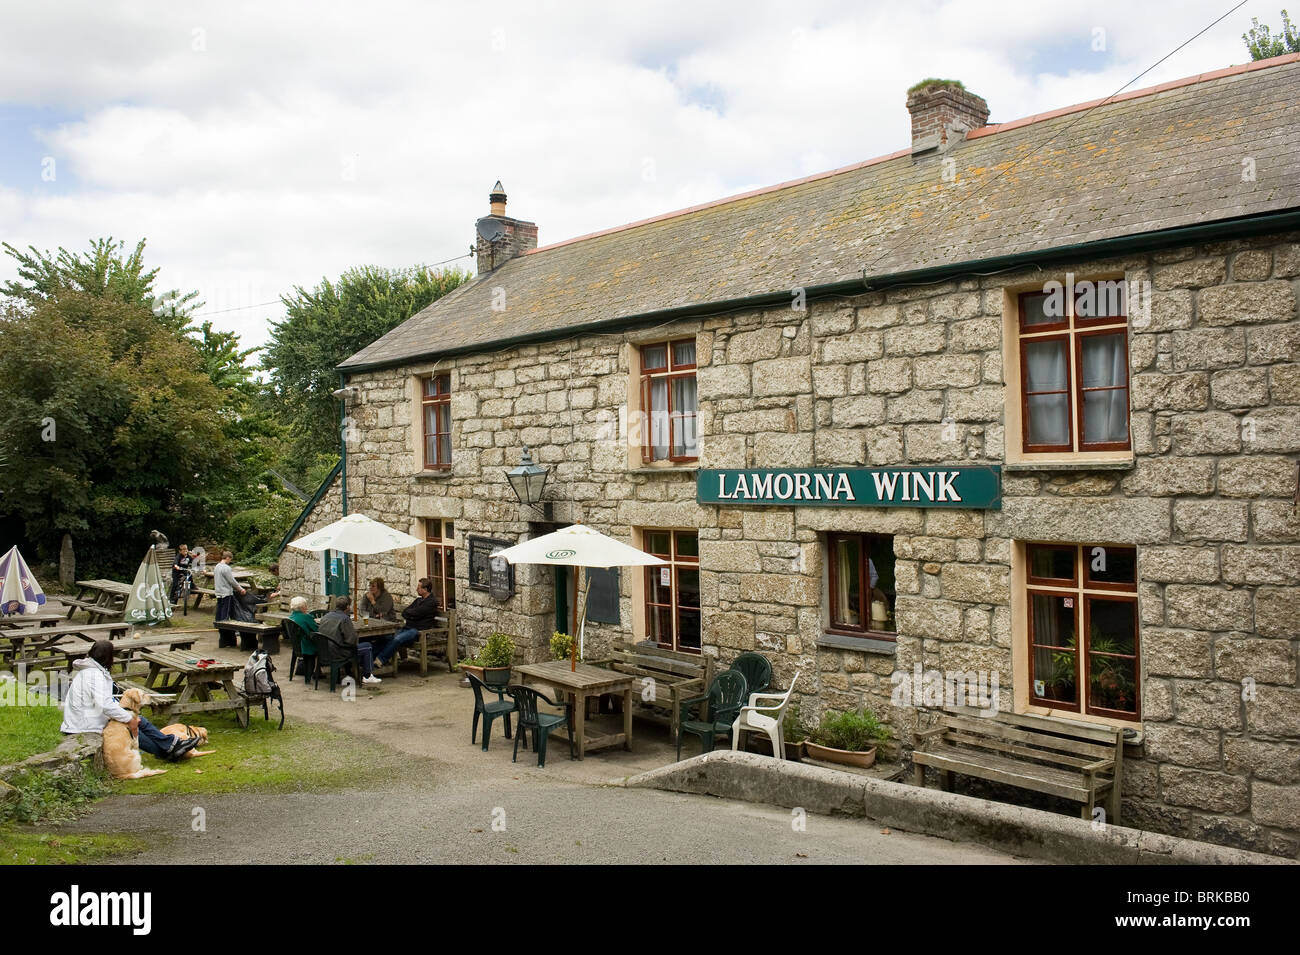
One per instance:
(454, 803)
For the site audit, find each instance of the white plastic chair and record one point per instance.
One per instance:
(764, 719)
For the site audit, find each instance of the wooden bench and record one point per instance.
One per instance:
(249, 635)
(436, 640)
(201, 592)
(666, 678)
(1073, 760)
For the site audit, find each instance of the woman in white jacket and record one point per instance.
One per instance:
(90, 704)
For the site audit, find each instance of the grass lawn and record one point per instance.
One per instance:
(24, 847)
(27, 726)
(301, 757)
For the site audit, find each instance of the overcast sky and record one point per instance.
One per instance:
(259, 146)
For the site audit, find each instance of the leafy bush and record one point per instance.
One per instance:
(792, 726)
(562, 646)
(854, 732)
(497, 652)
(253, 534)
(44, 796)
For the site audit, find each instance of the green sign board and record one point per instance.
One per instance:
(978, 488)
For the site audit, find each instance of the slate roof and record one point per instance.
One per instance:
(1146, 161)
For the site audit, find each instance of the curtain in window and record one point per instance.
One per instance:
(685, 440)
(1105, 365)
(1047, 371)
(847, 608)
(444, 437)
(1053, 625)
(659, 418)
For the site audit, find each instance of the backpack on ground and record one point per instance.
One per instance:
(259, 681)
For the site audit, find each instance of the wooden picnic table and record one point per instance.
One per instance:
(580, 684)
(249, 635)
(178, 672)
(63, 643)
(42, 619)
(126, 648)
(100, 599)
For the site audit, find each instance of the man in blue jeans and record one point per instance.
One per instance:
(420, 615)
(90, 705)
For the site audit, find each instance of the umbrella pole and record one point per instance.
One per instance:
(582, 626)
(354, 587)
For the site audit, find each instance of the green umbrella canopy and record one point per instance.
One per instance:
(148, 603)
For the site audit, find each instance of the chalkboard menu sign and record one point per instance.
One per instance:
(483, 575)
(602, 603)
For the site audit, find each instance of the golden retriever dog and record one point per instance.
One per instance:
(121, 749)
(185, 731)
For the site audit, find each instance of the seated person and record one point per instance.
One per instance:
(299, 615)
(336, 627)
(90, 705)
(420, 615)
(377, 601)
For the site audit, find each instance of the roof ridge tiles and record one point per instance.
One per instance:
(989, 130)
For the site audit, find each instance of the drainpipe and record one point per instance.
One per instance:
(343, 471)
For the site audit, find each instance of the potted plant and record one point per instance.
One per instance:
(496, 655)
(847, 738)
(562, 646)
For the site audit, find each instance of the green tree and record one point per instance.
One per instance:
(323, 327)
(1263, 45)
(104, 273)
(108, 419)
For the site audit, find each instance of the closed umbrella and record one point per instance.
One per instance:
(148, 603)
(355, 534)
(578, 546)
(18, 583)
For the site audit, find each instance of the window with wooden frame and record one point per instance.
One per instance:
(1087, 590)
(436, 406)
(668, 401)
(862, 593)
(1074, 379)
(440, 559)
(672, 589)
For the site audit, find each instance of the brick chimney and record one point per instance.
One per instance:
(499, 238)
(942, 113)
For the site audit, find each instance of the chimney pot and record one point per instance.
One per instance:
(943, 110)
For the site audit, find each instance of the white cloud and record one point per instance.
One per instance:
(262, 146)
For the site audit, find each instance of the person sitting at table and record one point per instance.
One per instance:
(336, 627)
(89, 706)
(298, 614)
(420, 615)
(377, 601)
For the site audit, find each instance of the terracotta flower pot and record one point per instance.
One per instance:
(863, 760)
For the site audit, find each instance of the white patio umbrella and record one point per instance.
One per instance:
(355, 534)
(18, 583)
(578, 546)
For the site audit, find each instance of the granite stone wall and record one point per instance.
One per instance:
(908, 377)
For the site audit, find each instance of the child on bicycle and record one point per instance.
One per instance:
(180, 569)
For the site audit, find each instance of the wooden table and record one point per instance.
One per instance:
(177, 671)
(578, 685)
(125, 648)
(100, 599)
(64, 643)
(249, 634)
(42, 619)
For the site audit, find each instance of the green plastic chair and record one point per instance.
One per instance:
(488, 711)
(756, 669)
(303, 648)
(334, 658)
(727, 694)
(540, 723)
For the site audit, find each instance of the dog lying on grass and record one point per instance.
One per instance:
(185, 731)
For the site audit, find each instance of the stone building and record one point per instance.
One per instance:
(955, 409)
